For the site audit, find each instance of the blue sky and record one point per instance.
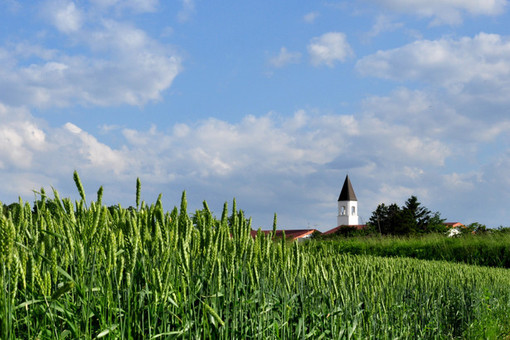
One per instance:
(271, 102)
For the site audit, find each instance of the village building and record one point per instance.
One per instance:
(291, 234)
(347, 217)
(454, 225)
(347, 205)
(347, 209)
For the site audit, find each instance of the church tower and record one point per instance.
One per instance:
(347, 205)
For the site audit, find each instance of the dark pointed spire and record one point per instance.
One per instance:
(347, 193)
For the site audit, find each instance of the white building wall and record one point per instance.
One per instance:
(347, 213)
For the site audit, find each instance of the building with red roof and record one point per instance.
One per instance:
(334, 230)
(292, 234)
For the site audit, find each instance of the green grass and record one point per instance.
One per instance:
(491, 250)
(83, 271)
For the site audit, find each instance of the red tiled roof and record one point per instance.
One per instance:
(293, 234)
(334, 230)
(454, 224)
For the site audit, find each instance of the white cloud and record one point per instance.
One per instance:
(106, 128)
(383, 24)
(496, 174)
(210, 148)
(461, 182)
(125, 67)
(389, 194)
(243, 146)
(285, 57)
(391, 147)
(20, 138)
(142, 5)
(181, 130)
(310, 17)
(413, 172)
(417, 110)
(22, 183)
(474, 71)
(24, 50)
(91, 153)
(430, 145)
(188, 8)
(30, 145)
(428, 150)
(110, 62)
(274, 148)
(445, 11)
(137, 6)
(406, 144)
(439, 117)
(479, 193)
(427, 142)
(65, 16)
(329, 48)
(480, 64)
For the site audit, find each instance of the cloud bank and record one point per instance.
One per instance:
(444, 11)
(120, 63)
(441, 131)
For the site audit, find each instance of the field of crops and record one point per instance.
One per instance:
(489, 249)
(80, 270)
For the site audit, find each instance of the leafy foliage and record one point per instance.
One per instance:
(488, 249)
(412, 218)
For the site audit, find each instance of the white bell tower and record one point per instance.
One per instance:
(347, 205)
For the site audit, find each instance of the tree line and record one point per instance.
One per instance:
(411, 218)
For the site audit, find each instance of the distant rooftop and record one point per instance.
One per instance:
(293, 234)
(334, 230)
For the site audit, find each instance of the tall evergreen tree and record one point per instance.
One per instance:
(411, 218)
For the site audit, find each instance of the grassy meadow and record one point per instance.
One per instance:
(489, 249)
(78, 270)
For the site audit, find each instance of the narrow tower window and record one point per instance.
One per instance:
(342, 210)
(353, 211)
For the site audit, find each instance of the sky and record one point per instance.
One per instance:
(272, 103)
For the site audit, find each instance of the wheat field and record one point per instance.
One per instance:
(78, 270)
